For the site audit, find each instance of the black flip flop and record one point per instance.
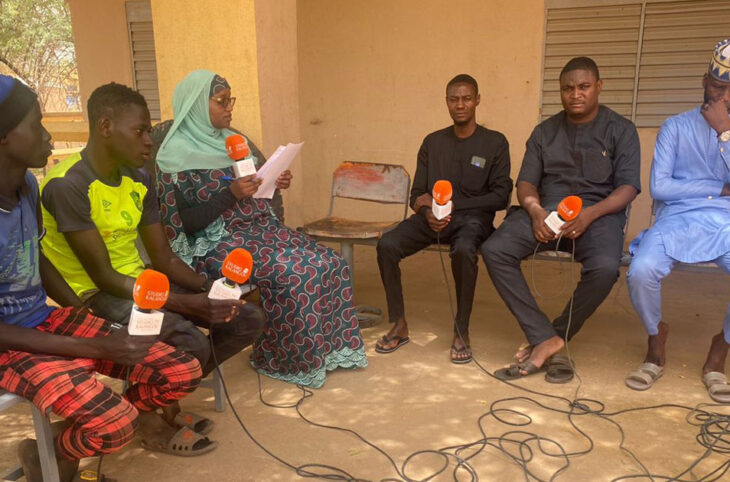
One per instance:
(559, 369)
(460, 361)
(402, 340)
(514, 371)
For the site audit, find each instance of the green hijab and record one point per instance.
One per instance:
(193, 142)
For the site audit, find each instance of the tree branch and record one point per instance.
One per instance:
(17, 72)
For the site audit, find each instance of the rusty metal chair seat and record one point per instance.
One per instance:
(364, 181)
(336, 228)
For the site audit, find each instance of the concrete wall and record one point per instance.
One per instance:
(373, 76)
(354, 79)
(276, 42)
(641, 207)
(213, 35)
(102, 44)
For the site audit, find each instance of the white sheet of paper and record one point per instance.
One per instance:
(277, 163)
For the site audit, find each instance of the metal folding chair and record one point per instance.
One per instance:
(365, 181)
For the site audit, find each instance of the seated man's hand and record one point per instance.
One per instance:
(540, 230)
(125, 349)
(575, 228)
(437, 225)
(422, 201)
(715, 113)
(200, 307)
(284, 180)
(245, 186)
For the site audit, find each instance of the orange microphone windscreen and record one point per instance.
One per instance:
(237, 266)
(151, 290)
(237, 147)
(442, 192)
(569, 207)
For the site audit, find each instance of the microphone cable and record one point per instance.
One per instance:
(304, 470)
(714, 438)
(515, 444)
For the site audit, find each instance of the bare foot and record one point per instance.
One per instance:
(542, 351)
(460, 351)
(399, 331)
(716, 356)
(523, 353)
(656, 351)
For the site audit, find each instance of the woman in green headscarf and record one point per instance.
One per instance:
(306, 289)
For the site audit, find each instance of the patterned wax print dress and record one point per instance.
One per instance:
(306, 289)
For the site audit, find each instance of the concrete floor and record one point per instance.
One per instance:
(415, 399)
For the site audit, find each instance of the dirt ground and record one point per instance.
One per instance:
(416, 400)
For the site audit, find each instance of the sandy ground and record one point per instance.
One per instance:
(415, 399)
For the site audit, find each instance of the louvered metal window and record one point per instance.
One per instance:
(142, 43)
(651, 54)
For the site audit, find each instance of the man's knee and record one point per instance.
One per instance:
(494, 250)
(643, 269)
(188, 374)
(105, 432)
(117, 432)
(389, 246)
(464, 252)
(602, 268)
(184, 336)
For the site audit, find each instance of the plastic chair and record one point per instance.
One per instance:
(365, 181)
(43, 435)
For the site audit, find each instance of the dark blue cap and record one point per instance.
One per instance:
(16, 100)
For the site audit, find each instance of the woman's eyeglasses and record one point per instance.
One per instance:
(225, 102)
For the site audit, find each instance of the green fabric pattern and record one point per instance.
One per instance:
(193, 142)
(344, 358)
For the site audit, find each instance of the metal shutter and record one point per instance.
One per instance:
(142, 44)
(679, 38)
(607, 34)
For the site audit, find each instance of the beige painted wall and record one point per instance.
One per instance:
(356, 80)
(276, 42)
(373, 76)
(102, 44)
(213, 35)
(641, 207)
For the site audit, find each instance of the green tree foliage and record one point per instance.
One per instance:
(36, 44)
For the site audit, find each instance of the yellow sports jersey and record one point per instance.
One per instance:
(74, 198)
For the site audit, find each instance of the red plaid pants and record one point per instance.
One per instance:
(102, 421)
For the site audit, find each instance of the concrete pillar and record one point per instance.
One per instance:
(253, 44)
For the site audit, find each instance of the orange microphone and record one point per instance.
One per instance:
(150, 294)
(568, 209)
(240, 153)
(441, 205)
(237, 268)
